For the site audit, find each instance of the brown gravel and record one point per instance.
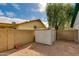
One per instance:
(59, 48)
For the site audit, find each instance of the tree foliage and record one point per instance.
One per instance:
(59, 15)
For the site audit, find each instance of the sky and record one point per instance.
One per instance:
(25, 11)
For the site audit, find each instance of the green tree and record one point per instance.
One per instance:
(59, 15)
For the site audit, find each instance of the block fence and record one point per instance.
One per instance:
(9, 38)
(70, 35)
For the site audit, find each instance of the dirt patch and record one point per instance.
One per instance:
(59, 48)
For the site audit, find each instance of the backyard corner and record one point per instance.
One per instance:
(53, 33)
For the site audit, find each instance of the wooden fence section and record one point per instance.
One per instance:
(71, 35)
(3, 40)
(9, 38)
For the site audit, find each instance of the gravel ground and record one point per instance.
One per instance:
(59, 48)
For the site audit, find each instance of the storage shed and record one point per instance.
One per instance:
(45, 36)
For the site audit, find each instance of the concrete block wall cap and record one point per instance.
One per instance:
(37, 29)
(71, 29)
(53, 28)
(76, 28)
(50, 28)
(44, 29)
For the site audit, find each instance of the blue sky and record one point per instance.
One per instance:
(26, 11)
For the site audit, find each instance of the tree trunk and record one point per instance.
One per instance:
(56, 28)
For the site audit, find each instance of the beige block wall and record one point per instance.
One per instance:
(3, 40)
(67, 35)
(30, 25)
(10, 37)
